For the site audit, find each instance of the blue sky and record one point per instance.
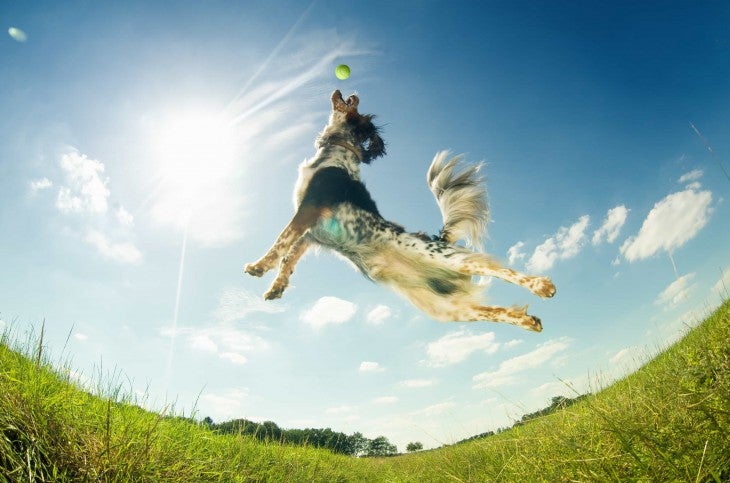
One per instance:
(148, 150)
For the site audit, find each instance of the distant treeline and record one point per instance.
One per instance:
(557, 403)
(353, 445)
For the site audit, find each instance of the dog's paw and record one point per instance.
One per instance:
(275, 292)
(530, 322)
(254, 269)
(542, 287)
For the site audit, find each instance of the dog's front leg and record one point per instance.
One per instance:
(304, 218)
(286, 268)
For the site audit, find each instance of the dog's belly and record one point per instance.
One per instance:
(354, 233)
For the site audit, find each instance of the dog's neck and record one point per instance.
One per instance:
(354, 150)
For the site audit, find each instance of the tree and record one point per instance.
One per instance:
(415, 446)
(357, 444)
(380, 446)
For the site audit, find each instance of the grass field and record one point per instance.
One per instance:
(669, 421)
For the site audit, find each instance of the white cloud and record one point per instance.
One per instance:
(513, 343)
(85, 194)
(120, 252)
(369, 366)
(86, 189)
(329, 311)
(509, 369)
(124, 217)
(615, 219)
(417, 383)
(671, 223)
(457, 346)
(676, 292)
(566, 243)
(385, 400)
(341, 410)
(202, 342)
(40, 184)
(233, 357)
(228, 342)
(379, 315)
(515, 252)
(693, 175)
(81, 337)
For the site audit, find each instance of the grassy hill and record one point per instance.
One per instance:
(670, 421)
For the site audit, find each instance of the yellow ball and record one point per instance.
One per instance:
(342, 71)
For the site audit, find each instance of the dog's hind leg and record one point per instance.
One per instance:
(304, 218)
(479, 264)
(470, 263)
(286, 268)
(511, 315)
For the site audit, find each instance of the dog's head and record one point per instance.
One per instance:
(360, 127)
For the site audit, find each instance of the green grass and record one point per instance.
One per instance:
(669, 421)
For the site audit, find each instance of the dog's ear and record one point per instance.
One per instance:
(373, 147)
(368, 135)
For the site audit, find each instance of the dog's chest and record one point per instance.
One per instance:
(310, 167)
(345, 228)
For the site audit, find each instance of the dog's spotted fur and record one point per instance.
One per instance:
(335, 210)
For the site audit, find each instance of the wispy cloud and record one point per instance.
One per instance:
(234, 304)
(339, 410)
(672, 222)
(379, 315)
(611, 227)
(370, 366)
(457, 346)
(328, 311)
(693, 175)
(233, 357)
(385, 400)
(122, 252)
(676, 292)
(37, 185)
(124, 217)
(436, 409)
(417, 383)
(508, 370)
(564, 244)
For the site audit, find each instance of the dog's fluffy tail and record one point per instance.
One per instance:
(462, 197)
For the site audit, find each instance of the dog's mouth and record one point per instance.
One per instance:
(344, 105)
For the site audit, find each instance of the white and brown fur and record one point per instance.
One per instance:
(335, 210)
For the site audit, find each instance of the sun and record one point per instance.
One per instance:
(195, 155)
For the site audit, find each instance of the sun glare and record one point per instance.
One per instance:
(195, 155)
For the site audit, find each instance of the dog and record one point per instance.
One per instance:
(333, 209)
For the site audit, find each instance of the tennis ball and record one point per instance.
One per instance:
(342, 71)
